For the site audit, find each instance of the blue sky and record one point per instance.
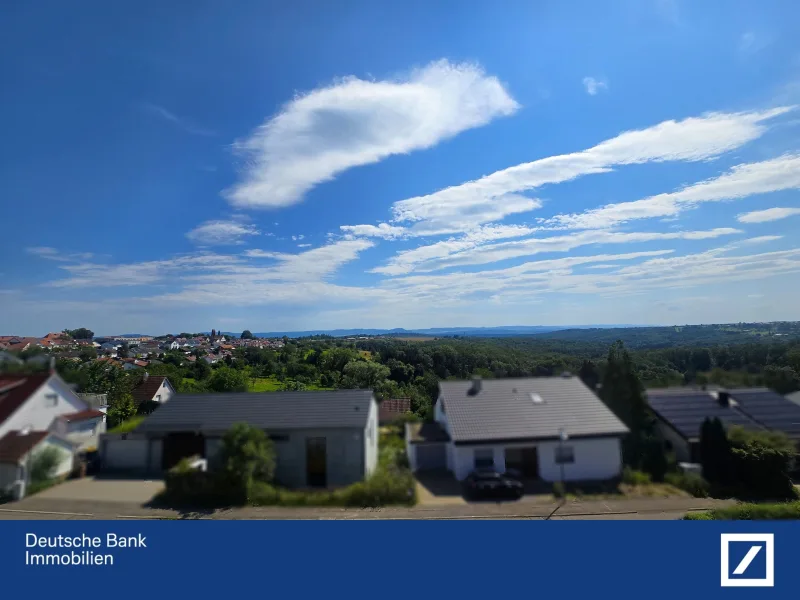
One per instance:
(189, 165)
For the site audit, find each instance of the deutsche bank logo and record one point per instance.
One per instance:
(748, 559)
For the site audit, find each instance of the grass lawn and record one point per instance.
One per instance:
(263, 384)
(271, 384)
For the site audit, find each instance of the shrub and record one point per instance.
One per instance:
(751, 512)
(44, 464)
(558, 489)
(632, 477)
(247, 455)
(698, 516)
(689, 482)
(384, 487)
(189, 487)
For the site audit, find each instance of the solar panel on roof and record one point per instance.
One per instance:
(687, 411)
(770, 409)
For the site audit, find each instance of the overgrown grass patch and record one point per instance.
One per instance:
(129, 425)
(691, 483)
(746, 511)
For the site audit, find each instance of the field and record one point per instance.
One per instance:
(271, 384)
(416, 338)
(264, 384)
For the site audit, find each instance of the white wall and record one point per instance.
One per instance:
(440, 416)
(37, 413)
(9, 472)
(166, 392)
(679, 445)
(371, 439)
(85, 432)
(595, 459)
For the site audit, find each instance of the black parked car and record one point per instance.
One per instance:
(489, 485)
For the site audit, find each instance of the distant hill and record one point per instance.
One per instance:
(434, 331)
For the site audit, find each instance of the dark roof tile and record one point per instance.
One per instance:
(268, 410)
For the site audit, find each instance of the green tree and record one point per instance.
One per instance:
(783, 380)
(225, 379)
(622, 391)
(246, 335)
(121, 409)
(247, 455)
(80, 334)
(291, 385)
(589, 374)
(87, 354)
(122, 351)
(363, 374)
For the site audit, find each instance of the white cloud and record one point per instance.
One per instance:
(495, 196)
(593, 86)
(356, 122)
(97, 275)
(304, 245)
(444, 255)
(769, 214)
(183, 123)
(751, 42)
(761, 239)
(382, 230)
(219, 233)
(297, 238)
(773, 175)
(53, 254)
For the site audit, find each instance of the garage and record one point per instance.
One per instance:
(430, 456)
(180, 445)
(124, 453)
(426, 446)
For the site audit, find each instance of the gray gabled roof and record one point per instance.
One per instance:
(504, 409)
(268, 410)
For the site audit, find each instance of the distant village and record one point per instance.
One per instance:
(129, 352)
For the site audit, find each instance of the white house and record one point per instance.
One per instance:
(153, 389)
(82, 428)
(18, 451)
(33, 409)
(544, 427)
(34, 402)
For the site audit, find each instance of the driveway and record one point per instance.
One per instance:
(75, 495)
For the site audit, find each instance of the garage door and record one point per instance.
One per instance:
(431, 456)
(125, 454)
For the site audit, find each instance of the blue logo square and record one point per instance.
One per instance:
(743, 556)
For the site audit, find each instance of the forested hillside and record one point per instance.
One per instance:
(724, 355)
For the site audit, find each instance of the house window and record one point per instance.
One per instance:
(158, 398)
(51, 400)
(565, 455)
(484, 458)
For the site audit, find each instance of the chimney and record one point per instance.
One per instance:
(52, 365)
(476, 386)
(724, 398)
(146, 375)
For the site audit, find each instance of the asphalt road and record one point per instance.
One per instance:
(38, 507)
